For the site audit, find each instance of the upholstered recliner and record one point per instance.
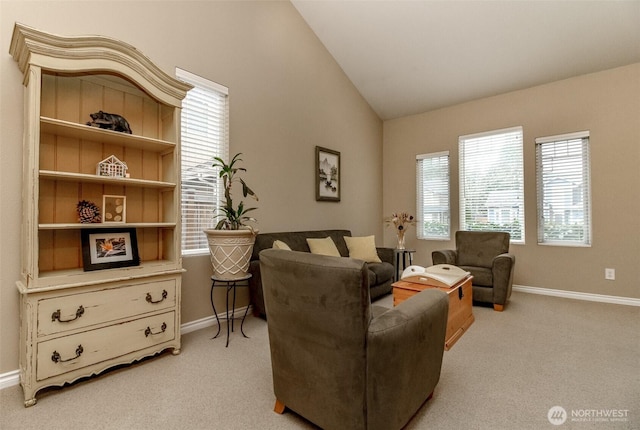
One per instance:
(486, 255)
(337, 360)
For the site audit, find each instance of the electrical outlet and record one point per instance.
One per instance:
(610, 274)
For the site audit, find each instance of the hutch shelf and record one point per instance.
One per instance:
(74, 322)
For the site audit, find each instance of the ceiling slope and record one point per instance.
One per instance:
(408, 57)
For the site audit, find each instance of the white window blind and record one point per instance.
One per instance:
(205, 134)
(563, 185)
(492, 182)
(433, 209)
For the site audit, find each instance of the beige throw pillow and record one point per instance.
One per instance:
(278, 244)
(363, 248)
(323, 247)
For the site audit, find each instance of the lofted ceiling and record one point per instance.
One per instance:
(408, 57)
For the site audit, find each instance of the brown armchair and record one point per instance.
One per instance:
(337, 360)
(486, 255)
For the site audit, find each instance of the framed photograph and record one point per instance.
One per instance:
(114, 209)
(327, 175)
(106, 248)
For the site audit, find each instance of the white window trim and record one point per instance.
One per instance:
(490, 133)
(560, 137)
(208, 85)
(201, 82)
(419, 202)
(540, 223)
(461, 172)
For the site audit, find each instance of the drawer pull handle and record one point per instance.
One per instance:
(148, 331)
(56, 315)
(55, 357)
(150, 299)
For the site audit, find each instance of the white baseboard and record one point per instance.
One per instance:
(209, 321)
(12, 378)
(629, 301)
(9, 379)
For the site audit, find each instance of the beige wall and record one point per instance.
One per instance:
(608, 105)
(287, 95)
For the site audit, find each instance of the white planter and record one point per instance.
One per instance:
(230, 252)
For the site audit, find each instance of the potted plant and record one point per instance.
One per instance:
(231, 240)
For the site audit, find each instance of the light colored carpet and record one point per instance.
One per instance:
(506, 372)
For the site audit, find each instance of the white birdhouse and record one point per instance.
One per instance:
(112, 167)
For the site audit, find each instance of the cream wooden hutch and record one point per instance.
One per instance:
(75, 322)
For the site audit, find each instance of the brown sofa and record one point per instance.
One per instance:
(338, 360)
(380, 274)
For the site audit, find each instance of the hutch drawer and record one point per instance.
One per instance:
(63, 313)
(65, 354)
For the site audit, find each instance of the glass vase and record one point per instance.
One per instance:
(400, 239)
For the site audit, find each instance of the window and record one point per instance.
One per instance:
(432, 174)
(491, 182)
(205, 134)
(563, 184)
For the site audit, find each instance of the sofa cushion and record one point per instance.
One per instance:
(481, 275)
(476, 248)
(363, 248)
(278, 244)
(324, 246)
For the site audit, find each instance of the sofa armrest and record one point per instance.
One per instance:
(404, 356)
(386, 255)
(502, 272)
(444, 256)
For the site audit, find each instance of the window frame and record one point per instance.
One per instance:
(584, 164)
(445, 193)
(196, 159)
(511, 199)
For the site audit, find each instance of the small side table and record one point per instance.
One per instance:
(405, 254)
(230, 285)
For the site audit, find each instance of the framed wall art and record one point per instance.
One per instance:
(114, 209)
(327, 175)
(106, 248)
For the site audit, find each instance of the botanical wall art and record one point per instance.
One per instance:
(327, 174)
(114, 209)
(107, 248)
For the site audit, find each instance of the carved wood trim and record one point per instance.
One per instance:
(90, 54)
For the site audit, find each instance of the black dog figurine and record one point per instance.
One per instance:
(109, 121)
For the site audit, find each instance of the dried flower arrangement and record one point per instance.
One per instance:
(399, 220)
